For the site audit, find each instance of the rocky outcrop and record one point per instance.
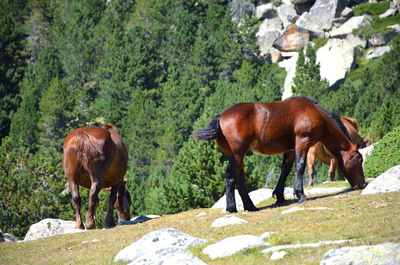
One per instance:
(336, 58)
(165, 244)
(50, 227)
(292, 39)
(388, 181)
(267, 34)
(387, 253)
(350, 25)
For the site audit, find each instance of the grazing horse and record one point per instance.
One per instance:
(291, 127)
(96, 158)
(322, 153)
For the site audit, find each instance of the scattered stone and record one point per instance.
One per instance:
(137, 220)
(288, 192)
(232, 245)
(266, 39)
(379, 39)
(157, 244)
(296, 209)
(201, 214)
(377, 52)
(386, 253)
(10, 237)
(91, 241)
(173, 256)
(336, 58)
(305, 245)
(50, 227)
(347, 12)
(351, 24)
(396, 27)
(292, 39)
(388, 181)
(228, 220)
(267, 235)
(275, 55)
(278, 255)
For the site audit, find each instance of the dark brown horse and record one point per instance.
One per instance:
(320, 152)
(291, 127)
(96, 158)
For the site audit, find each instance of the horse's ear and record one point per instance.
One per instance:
(108, 125)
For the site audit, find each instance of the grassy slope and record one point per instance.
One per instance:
(370, 219)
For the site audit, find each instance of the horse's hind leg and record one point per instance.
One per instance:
(247, 202)
(76, 202)
(109, 221)
(230, 185)
(298, 181)
(286, 167)
(311, 168)
(93, 202)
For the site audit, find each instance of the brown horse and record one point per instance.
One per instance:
(96, 158)
(320, 152)
(291, 127)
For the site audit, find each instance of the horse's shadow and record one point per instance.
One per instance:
(295, 201)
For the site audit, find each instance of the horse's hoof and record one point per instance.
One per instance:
(280, 203)
(252, 209)
(302, 199)
(231, 210)
(80, 226)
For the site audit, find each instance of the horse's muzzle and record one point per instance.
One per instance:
(361, 184)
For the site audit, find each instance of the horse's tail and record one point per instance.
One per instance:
(86, 151)
(211, 131)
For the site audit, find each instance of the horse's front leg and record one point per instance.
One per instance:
(76, 203)
(247, 202)
(298, 181)
(286, 167)
(109, 221)
(230, 185)
(333, 164)
(93, 202)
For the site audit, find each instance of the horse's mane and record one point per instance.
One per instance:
(108, 125)
(332, 115)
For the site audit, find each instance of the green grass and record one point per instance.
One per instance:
(374, 9)
(370, 219)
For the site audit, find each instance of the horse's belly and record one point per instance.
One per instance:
(271, 147)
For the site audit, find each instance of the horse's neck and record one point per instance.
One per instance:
(335, 141)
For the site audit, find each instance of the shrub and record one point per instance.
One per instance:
(386, 154)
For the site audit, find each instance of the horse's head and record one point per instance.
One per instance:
(352, 163)
(123, 205)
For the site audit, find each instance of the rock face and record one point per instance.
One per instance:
(292, 39)
(162, 244)
(336, 58)
(388, 181)
(50, 227)
(387, 253)
(232, 245)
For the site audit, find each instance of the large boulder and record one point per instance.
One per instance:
(321, 15)
(356, 40)
(336, 58)
(292, 39)
(287, 14)
(267, 34)
(50, 227)
(386, 253)
(351, 24)
(388, 181)
(162, 244)
(379, 39)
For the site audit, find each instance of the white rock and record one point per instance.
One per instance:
(290, 67)
(390, 12)
(168, 256)
(296, 209)
(377, 52)
(278, 255)
(305, 245)
(336, 58)
(266, 11)
(388, 181)
(351, 24)
(386, 253)
(156, 241)
(267, 235)
(232, 245)
(50, 227)
(201, 214)
(228, 220)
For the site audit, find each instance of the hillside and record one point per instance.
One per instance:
(366, 220)
(158, 70)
